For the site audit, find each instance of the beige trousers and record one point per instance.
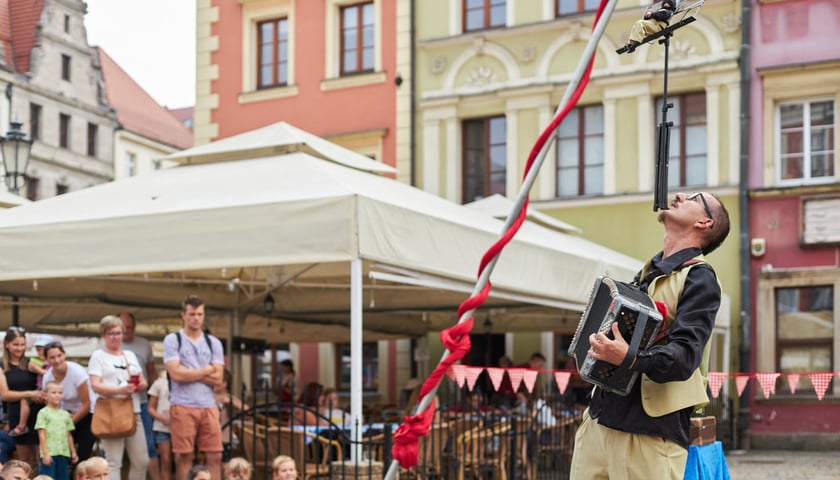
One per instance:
(603, 453)
(643, 28)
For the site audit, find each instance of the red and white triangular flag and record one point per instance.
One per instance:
(741, 383)
(530, 379)
(767, 380)
(472, 374)
(793, 381)
(516, 375)
(562, 379)
(820, 381)
(716, 382)
(496, 375)
(458, 374)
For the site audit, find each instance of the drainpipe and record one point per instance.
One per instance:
(744, 227)
(412, 107)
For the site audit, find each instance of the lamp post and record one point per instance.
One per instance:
(15, 148)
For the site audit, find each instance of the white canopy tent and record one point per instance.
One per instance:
(305, 222)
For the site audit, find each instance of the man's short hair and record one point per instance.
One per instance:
(193, 301)
(720, 228)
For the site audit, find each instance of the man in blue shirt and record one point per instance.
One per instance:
(195, 362)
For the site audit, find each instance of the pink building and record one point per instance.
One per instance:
(794, 223)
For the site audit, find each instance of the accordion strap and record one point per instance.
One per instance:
(635, 341)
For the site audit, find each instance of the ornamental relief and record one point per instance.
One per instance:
(480, 76)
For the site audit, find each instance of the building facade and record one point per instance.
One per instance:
(490, 76)
(794, 221)
(56, 91)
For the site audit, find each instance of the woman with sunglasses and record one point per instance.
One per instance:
(18, 383)
(77, 395)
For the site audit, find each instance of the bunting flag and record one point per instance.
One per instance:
(562, 379)
(767, 380)
(472, 374)
(741, 383)
(793, 381)
(820, 381)
(496, 375)
(516, 375)
(458, 374)
(530, 379)
(716, 382)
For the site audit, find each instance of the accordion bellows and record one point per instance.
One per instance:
(612, 301)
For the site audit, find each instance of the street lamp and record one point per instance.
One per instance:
(15, 148)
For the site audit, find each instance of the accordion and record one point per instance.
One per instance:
(638, 322)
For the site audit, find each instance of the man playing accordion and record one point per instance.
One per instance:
(645, 434)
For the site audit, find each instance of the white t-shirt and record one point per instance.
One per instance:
(74, 378)
(160, 389)
(113, 370)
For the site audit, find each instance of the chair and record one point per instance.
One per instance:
(257, 449)
(481, 450)
(429, 448)
(554, 445)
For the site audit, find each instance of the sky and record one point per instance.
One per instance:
(152, 40)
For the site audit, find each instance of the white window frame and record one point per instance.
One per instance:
(252, 14)
(806, 162)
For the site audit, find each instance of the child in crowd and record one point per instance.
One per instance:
(96, 468)
(39, 366)
(55, 436)
(283, 468)
(159, 410)
(42, 477)
(15, 470)
(79, 473)
(199, 472)
(238, 469)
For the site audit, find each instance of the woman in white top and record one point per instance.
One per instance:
(110, 370)
(77, 394)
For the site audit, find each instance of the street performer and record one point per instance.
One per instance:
(645, 434)
(652, 21)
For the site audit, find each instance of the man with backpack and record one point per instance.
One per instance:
(195, 363)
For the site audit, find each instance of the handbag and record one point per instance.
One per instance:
(113, 417)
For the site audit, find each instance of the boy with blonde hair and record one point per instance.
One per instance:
(55, 427)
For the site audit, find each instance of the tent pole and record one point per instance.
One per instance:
(356, 356)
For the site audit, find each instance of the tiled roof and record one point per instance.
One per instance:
(137, 111)
(18, 26)
(183, 114)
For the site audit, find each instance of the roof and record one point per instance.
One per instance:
(18, 38)
(183, 114)
(137, 111)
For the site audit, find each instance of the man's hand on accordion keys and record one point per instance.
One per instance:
(602, 347)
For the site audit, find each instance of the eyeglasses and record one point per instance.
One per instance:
(114, 334)
(694, 197)
(18, 330)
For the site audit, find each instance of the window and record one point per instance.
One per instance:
(482, 14)
(61, 189)
(485, 158)
(63, 130)
(370, 366)
(804, 333)
(806, 141)
(273, 53)
(65, 67)
(357, 33)
(571, 7)
(67, 24)
(32, 188)
(688, 153)
(130, 164)
(92, 133)
(34, 121)
(580, 152)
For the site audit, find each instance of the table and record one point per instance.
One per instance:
(706, 463)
